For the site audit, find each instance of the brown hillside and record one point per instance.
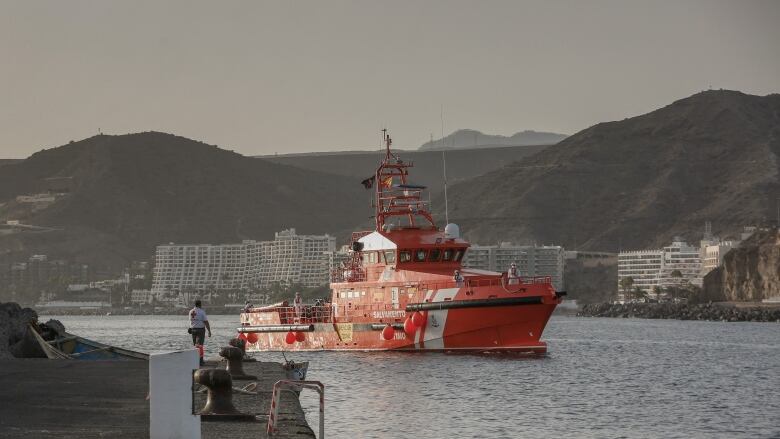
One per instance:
(132, 192)
(637, 182)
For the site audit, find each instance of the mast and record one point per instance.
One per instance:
(394, 195)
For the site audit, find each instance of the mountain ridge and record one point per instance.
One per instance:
(468, 138)
(639, 181)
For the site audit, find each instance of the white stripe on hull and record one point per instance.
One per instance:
(437, 320)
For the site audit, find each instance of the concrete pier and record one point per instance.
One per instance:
(98, 399)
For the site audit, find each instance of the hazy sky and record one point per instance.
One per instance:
(264, 77)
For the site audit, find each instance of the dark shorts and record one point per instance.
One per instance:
(198, 336)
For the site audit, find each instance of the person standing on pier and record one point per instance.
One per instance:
(199, 323)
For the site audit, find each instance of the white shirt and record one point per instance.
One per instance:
(198, 318)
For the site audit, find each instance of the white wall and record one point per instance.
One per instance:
(170, 396)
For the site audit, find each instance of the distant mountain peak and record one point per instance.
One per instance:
(636, 182)
(469, 138)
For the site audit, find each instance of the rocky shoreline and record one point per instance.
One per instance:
(724, 312)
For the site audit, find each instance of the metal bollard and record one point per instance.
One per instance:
(220, 396)
(238, 343)
(235, 358)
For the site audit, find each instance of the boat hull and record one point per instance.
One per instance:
(73, 347)
(516, 328)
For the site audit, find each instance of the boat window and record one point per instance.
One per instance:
(390, 257)
(458, 254)
(447, 254)
(419, 255)
(434, 255)
(372, 258)
(404, 256)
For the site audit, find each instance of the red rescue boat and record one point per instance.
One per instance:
(403, 288)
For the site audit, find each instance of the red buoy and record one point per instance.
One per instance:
(300, 337)
(409, 327)
(252, 337)
(418, 319)
(388, 332)
(290, 337)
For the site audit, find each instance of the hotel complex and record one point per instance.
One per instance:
(184, 270)
(674, 265)
(199, 268)
(530, 260)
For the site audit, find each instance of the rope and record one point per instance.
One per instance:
(249, 389)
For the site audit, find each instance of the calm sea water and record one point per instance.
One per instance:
(605, 378)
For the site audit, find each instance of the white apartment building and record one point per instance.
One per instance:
(683, 258)
(642, 266)
(296, 258)
(208, 268)
(530, 260)
(654, 268)
(201, 267)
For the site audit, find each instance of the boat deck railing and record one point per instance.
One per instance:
(475, 282)
(307, 314)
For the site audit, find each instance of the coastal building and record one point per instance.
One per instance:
(713, 248)
(531, 260)
(642, 266)
(293, 258)
(141, 297)
(712, 255)
(680, 258)
(200, 267)
(672, 266)
(208, 268)
(591, 258)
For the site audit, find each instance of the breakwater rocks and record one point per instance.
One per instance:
(14, 340)
(682, 311)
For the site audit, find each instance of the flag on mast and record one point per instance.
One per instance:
(369, 182)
